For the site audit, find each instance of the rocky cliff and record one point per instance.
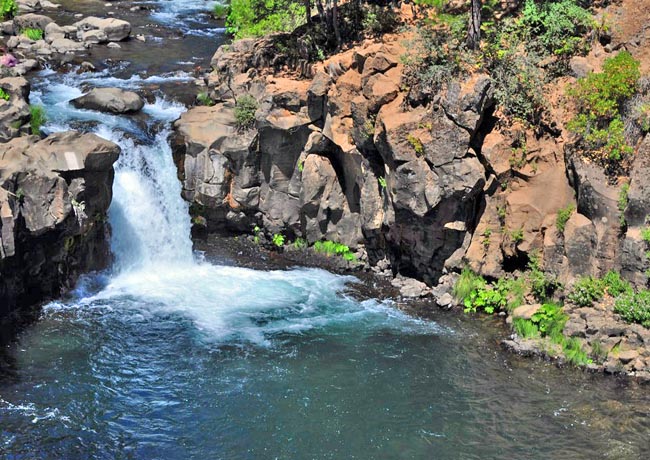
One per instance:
(54, 194)
(423, 185)
(341, 156)
(348, 155)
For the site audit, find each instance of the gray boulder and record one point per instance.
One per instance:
(31, 21)
(114, 30)
(112, 100)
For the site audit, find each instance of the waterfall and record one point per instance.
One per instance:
(149, 219)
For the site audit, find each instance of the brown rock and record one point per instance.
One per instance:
(526, 311)
(628, 356)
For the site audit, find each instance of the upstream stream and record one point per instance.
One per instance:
(169, 355)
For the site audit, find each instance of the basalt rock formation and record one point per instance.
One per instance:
(54, 194)
(341, 157)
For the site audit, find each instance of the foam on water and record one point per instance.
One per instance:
(184, 14)
(237, 305)
(155, 272)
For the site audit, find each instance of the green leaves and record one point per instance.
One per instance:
(563, 216)
(332, 248)
(255, 18)
(245, 109)
(33, 34)
(634, 308)
(488, 299)
(38, 119)
(549, 319)
(278, 239)
(8, 9)
(599, 97)
(560, 26)
(586, 291)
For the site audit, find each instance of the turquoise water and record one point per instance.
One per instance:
(286, 365)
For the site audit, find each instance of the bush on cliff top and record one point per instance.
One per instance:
(255, 18)
(514, 48)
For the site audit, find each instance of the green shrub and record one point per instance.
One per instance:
(416, 143)
(379, 19)
(515, 49)
(382, 182)
(599, 98)
(517, 235)
(516, 292)
(623, 200)
(245, 109)
(586, 291)
(220, 11)
(487, 233)
(563, 216)
(255, 18)
(37, 119)
(466, 284)
(299, 243)
(4, 95)
(278, 239)
(559, 26)
(8, 9)
(550, 320)
(256, 234)
(488, 298)
(204, 99)
(634, 308)
(330, 248)
(519, 86)
(542, 285)
(436, 58)
(33, 34)
(525, 329)
(615, 285)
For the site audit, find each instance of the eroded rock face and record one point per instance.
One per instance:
(54, 194)
(423, 190)
(340, 157)
(111, 100)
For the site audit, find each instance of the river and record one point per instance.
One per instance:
(170, 356)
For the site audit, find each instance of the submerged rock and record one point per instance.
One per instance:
(112, 100)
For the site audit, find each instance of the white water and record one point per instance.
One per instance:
(155, 271)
